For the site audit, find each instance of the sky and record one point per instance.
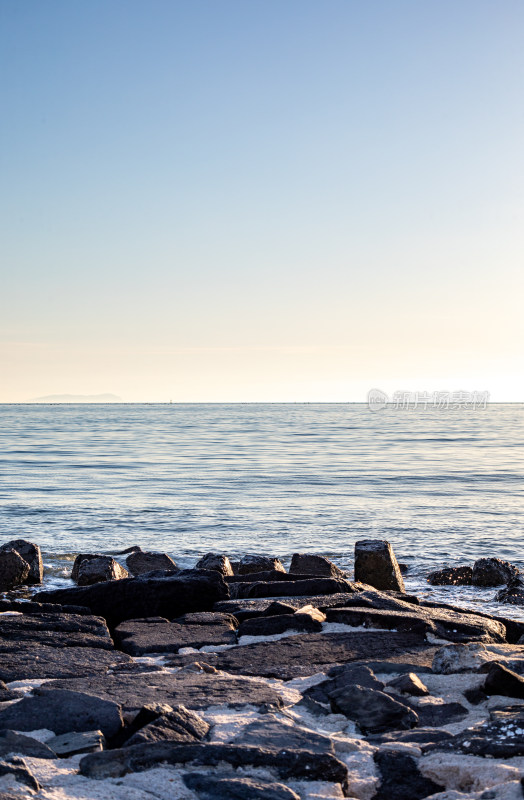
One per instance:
(261, 200)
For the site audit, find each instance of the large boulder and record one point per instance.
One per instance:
(451, 576)
(376, 565)
(493, 572)
(216, 562)
(31, 554)
(97, 570)
(141, 562)
(320, 567)
(256, 563)
(14, 570)
(170, 596)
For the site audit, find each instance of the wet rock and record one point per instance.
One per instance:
(174, 724)
(135, 548)
(308, 587)
(409, 683)
(493, 572)
(14, 570)
(500, 737)
(307, 564)
(307, 654)
(503, 681)
(194, 690)
(183, 592)
(271, 734)
(139, 637)
(13, 742)
(376, 565)
(451, 576)
(141, 562)
(267, 626)
(96, 570)
(400, 778)
(62, 711)
(31, 554)
(18, 769)
(217, 562)
(289, 764)
(213, 787)
(81, 557)
(513, 593)
(256, 563)
(372, 710)
(72, 744)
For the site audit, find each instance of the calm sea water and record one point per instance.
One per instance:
(443, 486)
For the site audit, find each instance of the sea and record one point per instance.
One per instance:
(443, 485)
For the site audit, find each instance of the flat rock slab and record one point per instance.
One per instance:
(214, 787)
(19, 662)
(138, 637)
(308, 587)
(13, 742)
(247, 608)
(288, 763)
(55, 630)
(307, 654)
(62, 711)
(500, 737)
(271, 734)
(192, 690)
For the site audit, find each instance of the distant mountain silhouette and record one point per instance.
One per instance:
(78, 398)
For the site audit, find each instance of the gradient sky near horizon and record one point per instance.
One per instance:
(261, 200)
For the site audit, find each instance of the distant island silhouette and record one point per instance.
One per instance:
(77, 398)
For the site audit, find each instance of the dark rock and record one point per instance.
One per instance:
(13, 742)
(433, 716)
(475, 696)
(420, 736)
(14, 570)
(208, 618)
(409, 683)
(308, 587)
(213, 787)
(366, 597)
(271, 734)
(18, 769)
(306, 564)
(268, 576)
(140, 562)
(62, 711)
(55, 630)
(307, 654)
(400, 778)
(72, 744)
(444, 624)
(81, 557)
(493, 572)
(31, 554)
(176, 724)
(194, 690)
(500, 737)
(404, 568)
(451, 576)
(264, 607)
(267, 626)
(7, 694)
(339, 678)
(289, 764)
(216, 562)
(116, 601)
(27, 607)
(256, 563)
(372, 710)
(138, 637)
(18, 662)
(503, 681)
(375, 564)
(514, 628)
(133, 549)
(513, 593)
(96, 570)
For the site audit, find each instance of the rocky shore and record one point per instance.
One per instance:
(243, 680)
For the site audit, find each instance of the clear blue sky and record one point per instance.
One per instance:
(261, 199)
